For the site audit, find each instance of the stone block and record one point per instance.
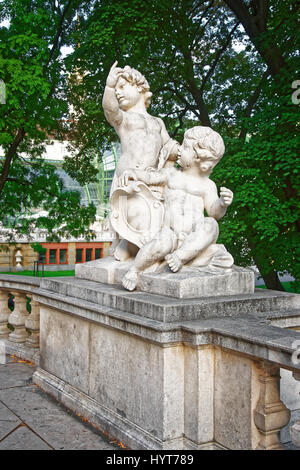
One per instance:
(187, 284)
(192, 283)
(64, 347)
(235, 396)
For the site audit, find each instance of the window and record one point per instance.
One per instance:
(88, 251)
(55, 253)
(63, 256)
(52, 256)
(79, 255)
(88, 254)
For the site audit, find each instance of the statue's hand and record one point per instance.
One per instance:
(226, 197)
(126, 176)
(113, 75)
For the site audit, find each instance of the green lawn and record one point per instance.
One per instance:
(288, 286)
(46, 273)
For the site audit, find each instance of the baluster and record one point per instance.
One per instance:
(32, 323)
(270, 414)
(17, 319)
(4, 314)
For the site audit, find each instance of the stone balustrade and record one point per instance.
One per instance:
(19, 317)
(241, 370)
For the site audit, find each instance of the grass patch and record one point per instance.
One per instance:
(288, 286)
(46, 273)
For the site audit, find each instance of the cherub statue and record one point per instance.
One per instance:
(144, 140)
(187, 237)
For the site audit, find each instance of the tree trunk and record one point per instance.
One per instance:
(272, 281)
(254, 26)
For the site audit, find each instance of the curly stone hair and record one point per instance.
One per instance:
(206, 142)
(135, 77)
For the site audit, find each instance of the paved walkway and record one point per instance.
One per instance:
(31, 420)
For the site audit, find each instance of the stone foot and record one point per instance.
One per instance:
(173, 262)
(130, 280)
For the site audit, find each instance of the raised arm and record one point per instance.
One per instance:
(215, 206)
(110, 104)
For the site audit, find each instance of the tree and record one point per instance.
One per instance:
(32, 67)
(188, 52)
(273, 28)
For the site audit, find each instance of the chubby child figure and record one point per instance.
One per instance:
(186, 232)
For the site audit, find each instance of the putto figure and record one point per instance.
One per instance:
(144, 140)
(187, 237)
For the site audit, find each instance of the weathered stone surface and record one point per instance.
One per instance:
(289, 390)
(69, 337)
(106, 270)
(8, 421)
(236, 394)
(23, 351)
(23, 439)
(285, 433)
(193, 283)
(295, 434)
(15, 375)
(167, 309)
(187, 284)
(199, 393)
(56, 426)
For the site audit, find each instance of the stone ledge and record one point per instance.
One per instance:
(166, 309)
(247, 335)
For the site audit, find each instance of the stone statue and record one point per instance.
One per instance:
(144, 140)
(186, 237)
(157, 210)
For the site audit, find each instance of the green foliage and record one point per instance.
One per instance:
(38, 248)
(32, 67)
(266, 182)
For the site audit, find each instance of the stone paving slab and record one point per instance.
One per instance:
(23, 439)
(8, 421)
(31, 420)
(15, 375)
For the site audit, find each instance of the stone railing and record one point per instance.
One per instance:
(20, 317)
(250, 352)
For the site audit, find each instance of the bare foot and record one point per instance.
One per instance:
(173, 262)
(130, 280)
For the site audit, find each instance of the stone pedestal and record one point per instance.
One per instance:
(187, 284)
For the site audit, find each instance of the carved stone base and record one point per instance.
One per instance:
(189, 283)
